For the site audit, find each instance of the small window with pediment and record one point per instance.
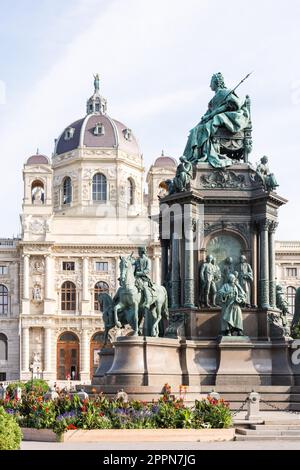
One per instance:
(69, 133)
(99, 129)
(3, 270)
(101, 266)
(291, 272)
(68, 266)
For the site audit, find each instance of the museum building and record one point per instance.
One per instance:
(80, 212)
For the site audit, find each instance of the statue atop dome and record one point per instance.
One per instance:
(96, 83)
(226, 119)
(96, 104)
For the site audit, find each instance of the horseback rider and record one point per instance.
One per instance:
(142, 275)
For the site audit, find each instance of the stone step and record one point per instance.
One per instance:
(278, 397)
(281, 422)
(247, 388)
(267, 432)
(289, 427)
(266, 438)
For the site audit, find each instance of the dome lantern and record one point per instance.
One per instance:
(96, 104)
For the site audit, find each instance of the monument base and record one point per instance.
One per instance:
(228, 360)
(145, 361)
(106, 358)
(246, 362)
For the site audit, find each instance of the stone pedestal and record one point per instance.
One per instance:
(199, 362)
(205, 323)
(246, 362)
(237, 363)
(106, 358)
(145, 361)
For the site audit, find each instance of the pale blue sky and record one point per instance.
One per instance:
(155, 59)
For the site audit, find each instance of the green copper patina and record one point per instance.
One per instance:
(225, 109)
(96, 82)
(142, 275)
(296, 317)
(184, 173)
(268, 179)
(282, 305)
(138, 302)
(230, 297)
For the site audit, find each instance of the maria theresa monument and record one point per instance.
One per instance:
(178, 285)
(226, 323)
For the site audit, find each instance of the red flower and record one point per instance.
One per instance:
(34, 408)
(71, 427)
(47, 409)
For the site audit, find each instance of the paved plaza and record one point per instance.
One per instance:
(257, 445)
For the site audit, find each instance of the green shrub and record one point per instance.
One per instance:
(10, 432)
(38, 386)
(12, 387)
(213, 413)
(296, 331)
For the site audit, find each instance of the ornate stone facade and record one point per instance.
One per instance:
(69, 249)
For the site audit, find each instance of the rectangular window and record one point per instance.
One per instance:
(2, 376)
(291, 272)
(68, 265)
(101, 266)
(3, 270)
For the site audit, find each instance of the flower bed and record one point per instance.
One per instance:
(69, 413)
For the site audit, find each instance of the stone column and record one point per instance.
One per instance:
(189, 295)
(25, 349)
(254, 265)
(175, 273)
(156, 269)
(85, 279)
(48, 278)
(264, 265)
(164, 261)
(117, 261)
(48, 349)
(85, 356)
(26, 294)
(272, 285)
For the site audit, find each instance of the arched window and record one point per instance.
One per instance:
(37, 192)
(3, 347)
(98, 337)
(68, 296)
(130, 192)
(100, 287)
(67, 190)
(290, 294)
(68, 336)
(3, 299)
(99, 188)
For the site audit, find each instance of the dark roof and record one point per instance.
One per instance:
(37, 159)
(84, 135)
(163, 162)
